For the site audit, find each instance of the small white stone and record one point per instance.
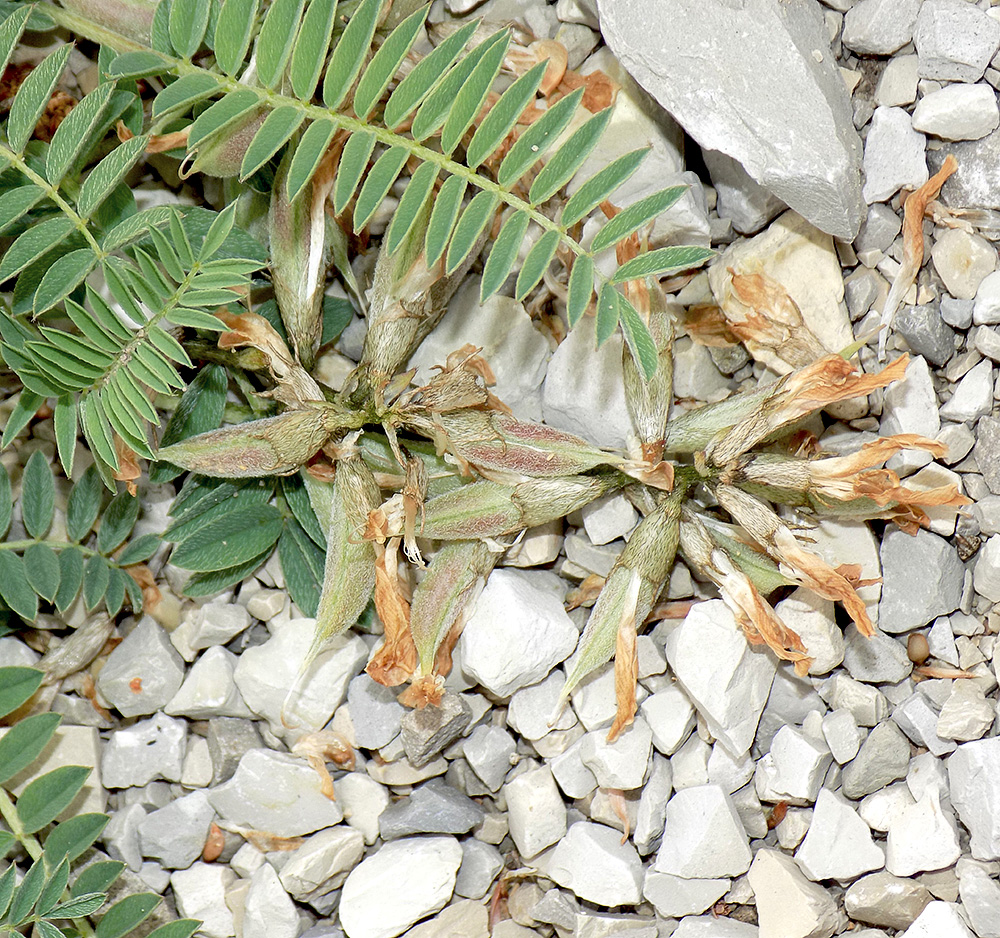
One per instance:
(788, 905)
(670, 716)
(728, 772)
(593, 863)
(196, 771)
(839, 844)
(266, 604)
(690, 763)
(867, 704)
(268, 912)
(941, 641)
(898, 85)
(322, 863)
(938, 920)
(973, 396)
(150, 749)
(894, 155)
(981, 898)
(963, 260)
(275, 792)
(402, 883)
(793, 769)
(674, 896)
(793, 827)
(842, 735)
(537, 814)
(726, 680)
(910, 406)
(621, 764)
(531, 707)
(921, 837)
(362, 800)
(879, 809)
(966, 714)
(812, 617)
(209, 689)
(608, 517)
(200, 892)
(958, 111)
(214, 623)
(572, 776)
(517, 632)
(648, 831)
(707, 839)
(268, 676)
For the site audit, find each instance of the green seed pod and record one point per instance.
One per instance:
(222, 154)
(274, 446)
(648, 402)
(130, 18)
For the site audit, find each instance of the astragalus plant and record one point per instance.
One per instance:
(313, 114)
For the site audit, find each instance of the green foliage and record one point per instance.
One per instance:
(44, 899)
(47, 566)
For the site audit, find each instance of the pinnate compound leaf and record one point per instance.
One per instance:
(117, 522)
(474, 219)
(232, 33)
(33, 96)
(302, 563)
(180, 928)
(504, 115)
(211, 582)
(17, 685)
(97, 877)
(16, 202)
(34, 244)
(564, 163)
(23, 742)
(607, 313)
(638, 338)
(10, 32)
(70, 577)
(471, 96)
(536, 263)
(425, 75)
(108, 173)
(411, 205)
(7, 881)
(274, 133)
(96, 577)
(274, 42)
(6, 501)
(83, 505)
(126, 914)
(137, 65)
(311, 44)
(386, 62)
(53, 889)
(596, 189)
(581, 288)
(503, 254)
(635, 216)
(350, 52)
(62, 278)
(380, 179)
(80, 907)
(443, 217)
(41, 566)
(308, 153)
(662, 261)
(47, 797)
(353, 162)
(28, 892)
(38, 495)
(220, 114)
(533, 143)
(75, 130)
(74, 835)
(184, 92)
(187, 24)
(232, 539)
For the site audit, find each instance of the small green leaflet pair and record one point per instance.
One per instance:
(44, 897)
(55, 569)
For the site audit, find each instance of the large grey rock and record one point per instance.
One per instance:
(884, 757)
(986, 452)
(704, 838)
(175, 834)
(879, 27)
(426, 732)
(723, 70)
(974, 778)
(894, 155)
(976, 182)
(741, 199)
(922, 579)
(432, 808)
(955, 40)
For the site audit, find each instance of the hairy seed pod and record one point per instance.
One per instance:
(222, 154)
(274, 446)
(649, 401)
